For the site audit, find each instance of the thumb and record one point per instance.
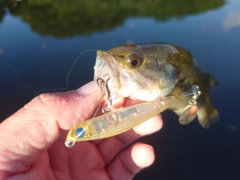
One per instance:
(30, 131)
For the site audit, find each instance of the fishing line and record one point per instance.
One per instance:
(67, 78)
(74, 63)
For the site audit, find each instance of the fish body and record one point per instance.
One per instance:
(154, 70)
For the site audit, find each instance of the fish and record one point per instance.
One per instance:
(165, 76)
(151, 71)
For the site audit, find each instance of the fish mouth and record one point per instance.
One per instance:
(105, 66)
(106, 69)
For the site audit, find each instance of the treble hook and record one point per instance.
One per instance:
(195, 93)
(101, 83)
(108, 91)
(108, 105)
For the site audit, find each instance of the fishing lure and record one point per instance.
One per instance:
(190, 112)
(114, 123)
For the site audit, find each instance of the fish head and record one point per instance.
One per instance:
(135, 72)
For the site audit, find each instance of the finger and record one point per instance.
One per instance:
(110, 147)
(125, 103)
(37, 125)
(131, 161)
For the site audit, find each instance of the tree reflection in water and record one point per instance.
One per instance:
(67, 18)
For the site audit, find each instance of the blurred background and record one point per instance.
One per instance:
(40, 45)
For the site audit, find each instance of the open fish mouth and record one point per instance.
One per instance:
(104, 67)
(101, 69)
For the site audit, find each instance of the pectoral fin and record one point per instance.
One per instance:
(188, 115)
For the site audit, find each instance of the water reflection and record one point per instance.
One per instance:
(70, 17)
(232, 21)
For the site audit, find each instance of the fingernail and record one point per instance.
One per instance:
(88, 88)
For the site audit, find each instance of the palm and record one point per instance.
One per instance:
(36, 150)
(86, 160)
(83, 161)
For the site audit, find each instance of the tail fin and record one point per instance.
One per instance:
(207, 115)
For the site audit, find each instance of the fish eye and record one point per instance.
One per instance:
(134, 60)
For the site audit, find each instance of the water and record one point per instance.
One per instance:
(40, 42)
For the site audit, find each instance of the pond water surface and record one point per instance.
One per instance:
(40, 42)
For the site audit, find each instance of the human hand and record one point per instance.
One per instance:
(32, 141)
